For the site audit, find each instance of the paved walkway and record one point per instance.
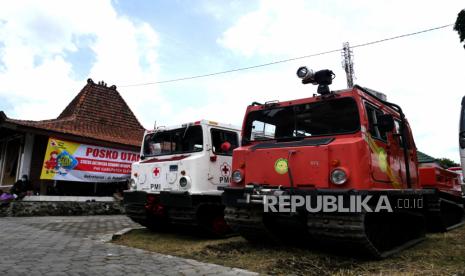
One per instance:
(77, 246)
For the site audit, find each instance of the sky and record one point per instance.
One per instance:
(48, 49)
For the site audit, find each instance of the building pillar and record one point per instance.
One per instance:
(26, 156)
(2, 160)
(43, 187)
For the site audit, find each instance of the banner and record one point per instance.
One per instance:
(70, 161)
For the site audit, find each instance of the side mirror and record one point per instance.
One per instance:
(385, 122)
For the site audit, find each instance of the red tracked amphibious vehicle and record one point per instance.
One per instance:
(351, 146)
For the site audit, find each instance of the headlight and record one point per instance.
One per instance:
(338, 176)
(303, 72)
(237, 176)
(132, 184)
(184, 182)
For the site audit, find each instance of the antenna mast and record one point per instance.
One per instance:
(347, 64)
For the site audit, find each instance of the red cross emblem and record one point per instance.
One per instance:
(156, 172)
(225, 169)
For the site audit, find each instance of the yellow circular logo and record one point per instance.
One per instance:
(280, 166)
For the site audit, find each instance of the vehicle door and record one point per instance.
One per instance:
(384, 153)
(223, 142)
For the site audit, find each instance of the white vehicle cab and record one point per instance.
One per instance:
(178, 178)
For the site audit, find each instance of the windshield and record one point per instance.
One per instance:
(181, 140)
(328, 117)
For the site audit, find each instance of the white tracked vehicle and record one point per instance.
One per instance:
(177, 179)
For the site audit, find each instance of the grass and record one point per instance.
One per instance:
(439, 254)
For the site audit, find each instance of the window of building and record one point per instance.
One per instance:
(262, 130)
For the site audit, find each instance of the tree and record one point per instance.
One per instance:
(460, 25)
(447, 163)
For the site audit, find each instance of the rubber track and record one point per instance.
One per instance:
(248, 222)
(347, 231)
(189, 217)
(183, 216)
(437, 221)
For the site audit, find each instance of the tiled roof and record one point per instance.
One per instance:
(424, 158)
(97, 112)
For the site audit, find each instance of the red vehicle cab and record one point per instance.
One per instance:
(344, 143)
(327, 143)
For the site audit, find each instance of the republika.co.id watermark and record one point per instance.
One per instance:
(339, 203)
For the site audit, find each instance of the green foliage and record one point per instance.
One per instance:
(447, 163)
(460, 25)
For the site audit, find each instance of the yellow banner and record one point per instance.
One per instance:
(70, 161)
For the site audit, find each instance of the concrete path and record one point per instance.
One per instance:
(78, 246)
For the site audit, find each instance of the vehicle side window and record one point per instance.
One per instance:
(219, 136)
(373, 114)
(399, 137)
